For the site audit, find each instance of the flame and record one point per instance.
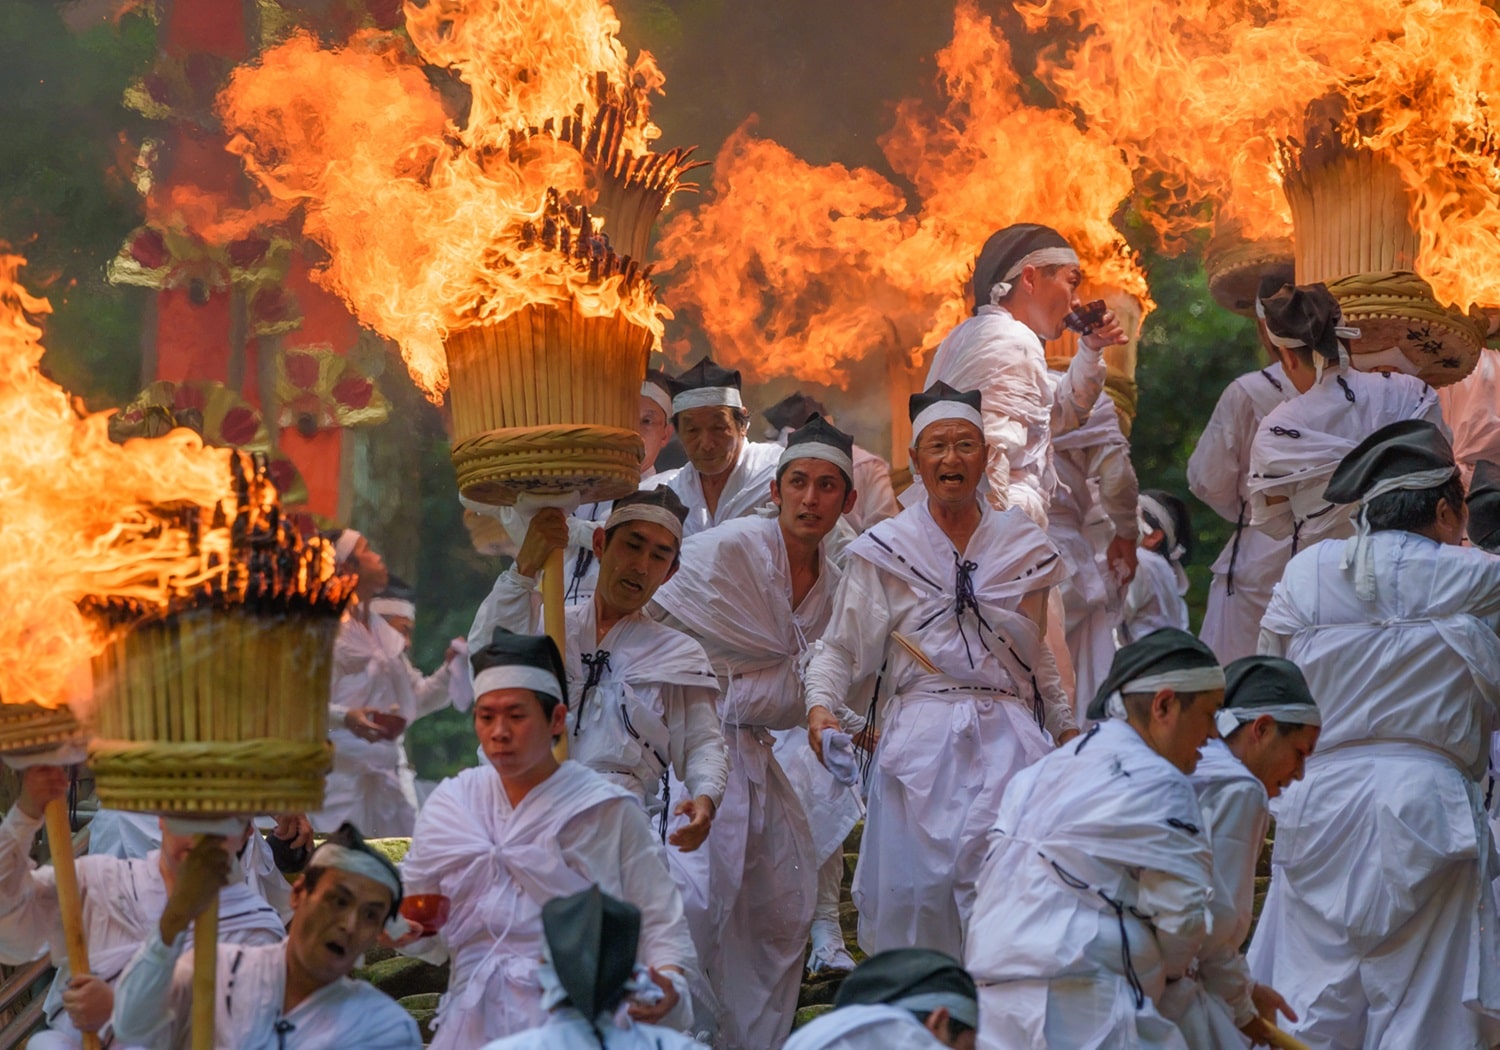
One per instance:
(1203, 94)
(801, 270)
(434, 226)
(80, 515)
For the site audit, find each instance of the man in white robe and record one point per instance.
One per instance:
(589, 979)
(726, 476)
(876, 499)
(1471, 409)
(504, 838)
(290, 995)
(1157, 595)
(1301, 441)
(946, 603)
(1093, 456)
(1025, 285)
(758, 592)
(1268, 725)
(645, 692)
(1096, 888)
(122, 901)
(903, 999)
(1380, 924)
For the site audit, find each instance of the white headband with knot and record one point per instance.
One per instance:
(1184, 680)
(818, 450)
(1041, 257)
(343, 547)
(707, 397)
(1342, 331)
(941, 410)
(1167, 525)
(1359, 550)
(1228, 719)
(355, 862)
(645, 512)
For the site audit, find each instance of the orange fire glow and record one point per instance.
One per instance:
(78, 514)
(433, 226)
(1200, 93)
(799, 270)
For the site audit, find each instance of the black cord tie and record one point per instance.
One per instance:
(1273, 380)
(666, 805)
(1287, 431)
(1348, 394)
(283, 1027)
(963, 592)
(580, 570)
(1234, 550)
(1118, 907)
(597, 663)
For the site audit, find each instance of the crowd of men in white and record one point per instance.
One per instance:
(1064, 794)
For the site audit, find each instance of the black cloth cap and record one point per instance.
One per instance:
(1265, 681)
(662, 497)
(396, 587)
(820, 430)
(903, 972)
(1160, 652)
(703, 374)
(592, 938)
(1396, 449)
(509, 649)
(1272, 283)
(793, 411)
(941, 391)
(1484, 506)
(1308, 313)
(1004, 249)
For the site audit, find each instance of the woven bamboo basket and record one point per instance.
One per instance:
(215, 711)
(1351, 214)
(546, 401)
(31, 727)
(1235, 266)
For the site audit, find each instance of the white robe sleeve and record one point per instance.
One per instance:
(1119, 491)
(1222, 455)
(152, 1007)
(513, 603)
(876, 499)
(853, 645)
(1235, 812)
(699, 755)
(1179, 913)
(431, 690)
(28, 897)
(1078, 390)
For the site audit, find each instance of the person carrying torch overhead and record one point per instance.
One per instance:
(122, 902)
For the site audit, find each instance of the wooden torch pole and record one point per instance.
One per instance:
(205, 974)
(69, 901)
(553, 621)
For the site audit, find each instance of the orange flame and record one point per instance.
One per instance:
(1201, 93)
(80, 514)
(801, 270)
(432, 226)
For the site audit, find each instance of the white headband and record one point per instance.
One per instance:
(1228, 719)
(941, 410)
(355, 862)
(818, 450)
(517, 676)
(1344, 333)
(1041, 257)
(1359, 551)
(657, 394)
(645, 512)
(393, 607)
(707, 397)
(343, 547)
(1167, 524)
(960, 1007)
(1185, 680)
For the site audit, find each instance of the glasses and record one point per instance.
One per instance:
(939, 449)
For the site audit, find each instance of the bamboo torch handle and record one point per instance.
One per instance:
(553, 621)
(205, 975)
(69, 901)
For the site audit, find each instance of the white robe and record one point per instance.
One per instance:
(153, 1004)
(1215, 999)
(122, 903)
(1472, 409)
(1299, 444)
(1100, 840)
(754, 898)
(748, 487)
(1218, 473)
(650, 707)
(499, 864)
(876, 500)
(1380, 926)
(951, 740)
(372, 784)
(997, 355)
(1099, 452)
(1156, 597)
(864, 1028)
(567, 1029)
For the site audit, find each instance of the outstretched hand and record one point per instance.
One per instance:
(692, 835)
